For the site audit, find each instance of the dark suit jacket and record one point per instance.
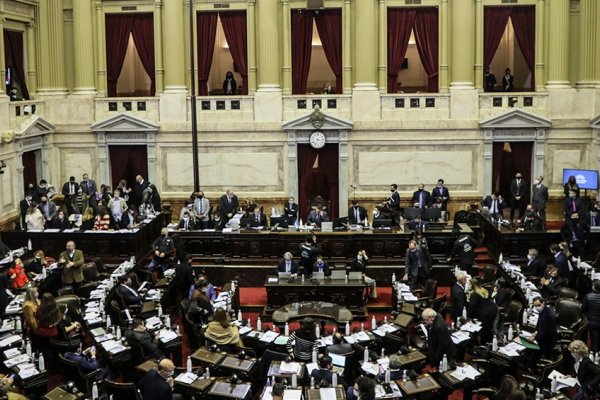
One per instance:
(546, 330)
(130, 298)
(442, 192)
(52, 209)
(90, 188)
(458, 300)
(394, 201)
(539, 197)
(293, 266)
(588, 375)
(23, 207)
(62, 225)
(138, 191)
(414, 225)
(518, 190)
(228, 207)
(362, 214)
(568, 206)
(186, 226)
(314, 218)
(411, 262)
(507, 83)
(291, 211)
(426, 198)
(592, 221)
(233, 86)
(359, 265)
(262, 219)
(154, 387)
(561, 262)
(487, 202)
(554, 287)
(325, 268)
(65, 189)
(439, 342)
(321, 374)
(535, 267)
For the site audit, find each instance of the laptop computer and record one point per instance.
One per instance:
(284, 275)
(320, 276)
(339, 363)
(338, 274)
(355, 275)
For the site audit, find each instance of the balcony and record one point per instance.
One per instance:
(415, 106)
(143, 107)
(21, 110)
(298, 105)
(216, 108)
(495, 103)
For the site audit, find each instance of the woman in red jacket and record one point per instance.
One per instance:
(18, 275)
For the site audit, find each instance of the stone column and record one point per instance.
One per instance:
(558, 39)
(52, 53)
(479, 45)
(382, 34)
(2, 65)
(287, 47)
(347, 46)
(159, 71)
(268, 104)
(463, 45)
(101, 82)
(251, 24)
(173, 51)
(365, 38)
(588, 42)
(540, 65)
(444, 79)
(31, 59)
(83, 51)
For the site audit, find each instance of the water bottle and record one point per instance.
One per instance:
(445, 362)
(382, 352)
(528, 293)
(404, 375)
(387, 376)
(168, 321)
(346, 278)
(294, 381)
(524, 317)
(207, 373)
(44, 272)
(366, 355)
(118, 333)
(314, 356)
(538, 394)
(41, 363)
(302, 278)
(258, 324)
(95, 391)
(160, 311)
(29, 246)
(495, 344)
(108, 322)
(456, 270)
(510, 333)
(347, 328)
(373, 322)
(441, 366)
(239, 315)
(28, 348)
(518, 330)
(317, 331)
(393, 277)
(312, 382)
(464, 313)
(334, 330)
(334, 380)
(18, 325)
(362, 326)
(554, 385)
(501, 257)
(189, 364)
(385, 321)
(286, 329)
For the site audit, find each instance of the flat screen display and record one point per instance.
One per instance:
(586, 179)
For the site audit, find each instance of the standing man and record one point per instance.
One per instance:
(71, 260)
(290, 210)
(117, 207)
(48, 209)
(163, 249)
(357, 214)
(202, 210)
(138, 190)
(539, 198)
(464, 247)
(546, 330)
(88, 186)
(508, 81)
(458, 297)
(518, 191)
(417, 266)
(69, 190)
(23, 207)
(308, 253)
(439, 341)
(229, 205)
(441, 194)
(490, 80)
(421, 197)
(393, 203)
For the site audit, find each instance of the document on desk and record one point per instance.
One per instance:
(310, 367)
(11, 362)
(510, 350)
(10, 353)
(465, 372)
(27, 370)
(290, 368)
(370, 368)
(460, 336)
(244, 330)
(7, 341)
(349, 339)
(327, 394)
(186, 377)
(361, 336)
(471, 327)
(281, 340)
(564, 381)
(269, 336)
(166, 335)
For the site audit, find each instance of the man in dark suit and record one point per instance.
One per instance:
(316, 216)
(131, 297)
(440, 194)
(309, 250)
(48, 209)
(439, 341)
(186, 223)
(421, 198)
(545, 331)
(377, 214)
(23, 207)
(536, 265)
(575, 232)
(258, 218)
(40, 190)
(552, 283)
(561, 262)
(357, 214)
(229, 206)
(338, 346)
(88, 186)
(393, 203)
(592, 217)
(325, 373)
(464, 248)
(139, 334)
(288, 264)
(508, 81)
(572, 205)
(490, 80)
(518, 191)
(157, 383)
(69, 191)
(137, 193)
(290, 210)
(417, 224)
(417, 266)
(163, 248)
(495, 204)
(539, 198)
(458, 297)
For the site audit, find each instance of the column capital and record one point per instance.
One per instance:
(285, 2)
(98, 5)
(157, 3)
(252, 3)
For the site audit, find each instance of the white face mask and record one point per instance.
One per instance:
(529, 257)
(374, 212)
(537, 182)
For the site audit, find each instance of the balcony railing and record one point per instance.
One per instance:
(415, 106)
(216, 108)
(298, 105)
(144, 107)
(491, 103)
(20, 110)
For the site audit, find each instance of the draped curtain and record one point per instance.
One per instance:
(126, 162)
(400, 25)
(329, 26)
(523, 20)
(207, 30)
(497, 159)
(306, 159)
(13, 57)
(118, 29)
(234, 26)
(329, 169)
(495, 21)
(426, 36)
(29, 171)
(143, 36)
(302, 21)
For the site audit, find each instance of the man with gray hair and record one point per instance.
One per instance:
(458, 297)
(288, 264)
(439, 341)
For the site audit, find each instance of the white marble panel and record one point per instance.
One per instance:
(7, 190)
(411, 167)
(564, 159)
(75, 164)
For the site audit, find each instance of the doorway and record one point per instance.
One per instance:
(508, 159)
(31, 167)
(126, 162)
(318, 175)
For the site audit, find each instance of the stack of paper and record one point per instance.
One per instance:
(166, 335)
(7, 341)
(186, 377)
(327, 394)
(290, 368)
(564, 381)
(460, 336)
(465, 372)
(471, 327)
(153, 323)
(27, 370)
(289, 394)
(269, 336)
(361, 336)
(370, 368)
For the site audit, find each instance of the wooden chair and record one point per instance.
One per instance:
(122, 391)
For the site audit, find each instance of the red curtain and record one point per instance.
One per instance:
(306, 159)
(13, 57)
(495, 20)
(523, 20)
(521, 155)
(497, 159)
(206, 24)
(302, 29)
(329, 26)
(329, 169)
(126, 162)
(118, 29)
(400, 24)
(29, 172)
(321, 181)
(234, 26)
(143, 37)
(426, 36)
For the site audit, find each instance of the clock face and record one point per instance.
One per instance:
(317, 139)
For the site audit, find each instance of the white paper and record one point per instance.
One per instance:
(269, 336)
(289, 367)
(166, 335)
(471, 327)
(186, 377)
(9, 340)
(458, 337)
(327, 394)
(361, 336)
(370, 368)
(310, 367)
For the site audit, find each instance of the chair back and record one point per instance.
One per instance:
(122, 391)
(100, 267)
(568, 312)
(86, 289)
(489, 274)
(567, 293)
(438, 302)
(65, 290)
(90, 272)
(508, 384)
(73, 303)
(392, 343)
(430, 288)
(513, 312)
(71, 369)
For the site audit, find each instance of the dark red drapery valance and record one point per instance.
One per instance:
(13, 57)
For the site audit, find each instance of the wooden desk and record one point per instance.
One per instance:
(315, 309)
(274, 370)
(60, 394)
(314, 394)
(412, 358)
(206, 357)
(423, 384)
(244, 367)
(198, 387)
(225, 389)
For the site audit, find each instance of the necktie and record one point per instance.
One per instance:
(356, 215)
(287, 267)
(593, 221)
(421, 200)
(574, 206)
(71, 191)
(494, 210)
(228, 199)
(256, 217)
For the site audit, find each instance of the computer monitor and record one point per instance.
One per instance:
(282, 221)
(585, 178)
(412, 212)
(338, 274)
(431, 214)
(320, 276)
(340, 223)
(338, 360)
(382, 223)
(284, 275)
(248, 222)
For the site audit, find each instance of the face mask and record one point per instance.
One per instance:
(571, 195)
(575, 356)
(374, 212)
(539, 309)
(529, 257)
(392, 190)
(355, 392)
(61, 217)
(440, 185)
(201, 197)
(537, 182)
(320, 263)
(186, 218)
(44, 201)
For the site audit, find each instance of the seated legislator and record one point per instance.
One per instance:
(325, 372)
(71, 261)
(321, 266)
(545, 331)
(531, 222)
(288, 264)
(357, 214)
(552, 283)
(359, 264)
(377, 214)
(257, 217)
(139, 334)
(303, 341)
(290, 211)
(221, 331)
(61, 222)
(339, 346)
(131, 297)
(536, 265)
(158, 383)
(495, 204)
(592, 217)
(316, 216)
(439, 341)
(102, 220)
(417, 224)
(163, 249)
(584, 369)
(18, 276)
(186, 223)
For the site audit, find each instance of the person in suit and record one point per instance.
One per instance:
(546, 330)
(48, 210)
(508, 81)
(61, 222)
(539, 198)
(290, 211)
(421, 198)
(530, 221)
(309, 250)
(288, 264)
(186, 223)
(571, 186)
(316, 216)
(439, 341)
(572, 205)
(591, 308)
(551, 283)
(117, 207)
(377, 214)
(483, 308)
(321, 266)
(130, 296)
(339, 346)
(440, 195)
(163, 248)
(464, 248)
(357, 214)
(592, 217)
(139, 334)
(518, 191)
(575, 232)
(229, 84)
(360, 262)
(202, 210)
(536, 265)
(495, 204)
(417, 265)
(393, 203)
(417, 224)
(129, 219)
(325, 372)
(561, 261)
(458, 297)
(490, 80)
(137, 193)
(88, 186)
(229, 206)
(258, 218)
(71, 261)
(69, 190)
(23, 206)
(586, 372)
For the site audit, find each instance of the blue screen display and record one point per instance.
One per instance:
(586, 179)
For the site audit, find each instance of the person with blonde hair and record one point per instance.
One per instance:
(221, 331)
(587, 373)
(483, 308)
(30, 306)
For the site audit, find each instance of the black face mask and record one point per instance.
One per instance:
(200, 197)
